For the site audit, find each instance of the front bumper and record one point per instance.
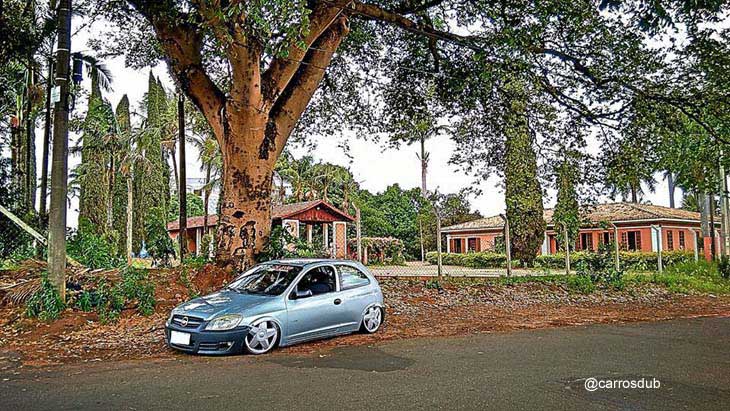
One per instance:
(209, 342)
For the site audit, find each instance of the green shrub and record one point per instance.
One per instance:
(723, 266)
(157, 241)
(45, 304)
(109, 301)
(580, 283)
(92, 250)
(284, 245)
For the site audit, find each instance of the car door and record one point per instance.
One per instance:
(355, 294)
(318, 315)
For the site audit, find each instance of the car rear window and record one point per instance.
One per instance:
(351, 277)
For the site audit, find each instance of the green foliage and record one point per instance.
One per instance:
(567, 213)
(580, 283)
(84, 301)
(523, 194)
(158, 243)
(629, 260)
(689, 277)
(109, 301)
(194, 207)
(194, 261)
(433, 284)
(93, 250)
(386, 250)
(45, 304)
(283, 245)
(723, 266)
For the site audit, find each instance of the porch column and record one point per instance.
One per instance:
(448, 243)
(309, 233)
(292, 227)
(326, 236)
(545, 249)
(198, 232)
(339, 239)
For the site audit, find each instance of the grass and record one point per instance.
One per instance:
(701, 277)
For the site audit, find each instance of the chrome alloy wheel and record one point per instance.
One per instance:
(262, 337)
(372, 319)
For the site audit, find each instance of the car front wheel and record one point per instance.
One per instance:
(261, 338)
(372, 319)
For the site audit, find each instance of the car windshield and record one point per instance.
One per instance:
(267, 279)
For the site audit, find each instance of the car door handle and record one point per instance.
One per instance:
(338, 301)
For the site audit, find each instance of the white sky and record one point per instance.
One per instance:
(372, 166)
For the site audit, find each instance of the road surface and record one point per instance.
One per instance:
(539, 369)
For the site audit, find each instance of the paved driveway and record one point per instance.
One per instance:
(539, 369)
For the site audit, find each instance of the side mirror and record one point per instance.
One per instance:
(301, 294)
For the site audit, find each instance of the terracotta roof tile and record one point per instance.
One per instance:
(614, 212)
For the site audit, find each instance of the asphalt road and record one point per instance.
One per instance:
(540, 369)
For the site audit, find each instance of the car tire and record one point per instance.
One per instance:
(372, 319)
(262, 338)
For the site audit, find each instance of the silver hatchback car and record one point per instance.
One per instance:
(280, 303)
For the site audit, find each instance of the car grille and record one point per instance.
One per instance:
(186, 321)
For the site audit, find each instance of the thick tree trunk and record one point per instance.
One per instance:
(670, 183)
(634, 195)
(245, 218)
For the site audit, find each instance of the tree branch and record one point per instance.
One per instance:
(282, 69)
(294, 99)
(183, 43)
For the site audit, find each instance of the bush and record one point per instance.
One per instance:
(384, 250)
(92, 250)
(723, 266)
(634, 261)
(109, 301)
(580, 283)
(284, 245)
(157, 241)
(45, 304)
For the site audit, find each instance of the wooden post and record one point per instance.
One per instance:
(658, 230)
(438, 245)
(358, 233)
(567, 249)
(507, 245)
(616, 256)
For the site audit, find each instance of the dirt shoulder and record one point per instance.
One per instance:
(413, 310)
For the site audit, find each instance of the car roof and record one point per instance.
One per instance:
(302, 262)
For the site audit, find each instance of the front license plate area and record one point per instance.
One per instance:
(178, 338)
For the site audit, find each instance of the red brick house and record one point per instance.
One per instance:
(300, 219)
(679, 230)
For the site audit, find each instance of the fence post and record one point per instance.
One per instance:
(507, 245)
(438, 244)
(358, 233)
(696, 245)
(617, 257)
(658, 230)
(567, 249)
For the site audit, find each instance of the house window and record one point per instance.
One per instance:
(606, 238)
(457, 245)
(472, 245)
(586, 241)
(681, 240)
(670, 240)
(631, 240)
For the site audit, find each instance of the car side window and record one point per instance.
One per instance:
(319, 280)
(351, 277)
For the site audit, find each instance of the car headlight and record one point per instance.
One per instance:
(224, 322)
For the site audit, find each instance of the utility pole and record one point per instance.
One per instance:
(182, 189)
(59, 170)
(358, 233)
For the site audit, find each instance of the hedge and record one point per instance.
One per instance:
(637, 261)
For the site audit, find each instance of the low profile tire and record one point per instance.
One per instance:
(262, 337)
(372, 320)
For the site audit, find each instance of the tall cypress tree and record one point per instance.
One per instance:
(567, 210)
(151, 176)
(523, 195)
(119, 188)
(92, 172)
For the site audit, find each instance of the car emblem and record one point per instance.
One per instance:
(184, 321)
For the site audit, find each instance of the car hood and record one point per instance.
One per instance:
(221, 302)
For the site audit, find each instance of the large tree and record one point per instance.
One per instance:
(252, 67)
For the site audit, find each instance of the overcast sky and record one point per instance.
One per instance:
(374, 167)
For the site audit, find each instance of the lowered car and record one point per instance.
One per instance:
(279, 303)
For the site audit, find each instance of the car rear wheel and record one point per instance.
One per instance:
(372, 319)
(261, 338)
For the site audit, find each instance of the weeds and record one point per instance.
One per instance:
(45, 304)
